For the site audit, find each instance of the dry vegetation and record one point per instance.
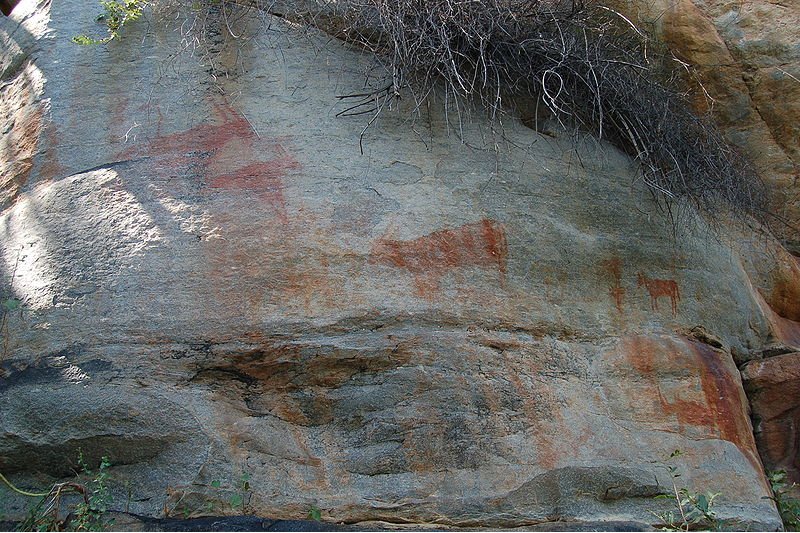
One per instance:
(588, 65)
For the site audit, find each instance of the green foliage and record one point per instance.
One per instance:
(88, 515)
(788, 506)
(315, 514)
(11, 304)
(695, 510)
(239, 499)
(222, 498)
(115, 16)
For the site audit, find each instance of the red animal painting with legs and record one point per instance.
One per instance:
(658, 288)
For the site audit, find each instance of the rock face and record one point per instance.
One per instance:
(206, 280)
(747, 57)
(774, 388)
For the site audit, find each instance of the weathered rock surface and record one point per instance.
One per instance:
(491, 330)
(773, 386)
(747, 57)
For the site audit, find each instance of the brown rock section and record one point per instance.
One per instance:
(775, 277)
(746, 58)
(773, 386)
(21, 116)
(444, 330)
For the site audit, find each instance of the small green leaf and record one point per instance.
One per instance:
(315, 514)
(85, 40)
(216, 484)
(702, 502)
(236, 500)
(11, 304)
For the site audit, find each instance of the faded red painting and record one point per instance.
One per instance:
(718, 408)
(479, 244)
(613, 268)
(227, 153)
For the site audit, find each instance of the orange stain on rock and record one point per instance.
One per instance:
(718, 407)
(428, 258)
(784, 298)
(782, 329)
(725, 400)
(18, 146)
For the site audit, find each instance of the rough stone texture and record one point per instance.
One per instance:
(747, 57)
(773, 386)
(21, 109)
(487, 330)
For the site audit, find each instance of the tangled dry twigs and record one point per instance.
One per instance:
(591, 67)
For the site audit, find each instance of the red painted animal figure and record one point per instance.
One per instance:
(658, 288)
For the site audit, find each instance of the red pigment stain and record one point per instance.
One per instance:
(720, 409)
(614, 268)
(724, 400)
(227, 154)
(428, 258)
(263, 178)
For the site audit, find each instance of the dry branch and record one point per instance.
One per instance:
(592, 67)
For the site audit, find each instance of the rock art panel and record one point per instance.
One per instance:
(658, 288)
(713, 406)
(428, 258)
(444, 330)
(617, 292)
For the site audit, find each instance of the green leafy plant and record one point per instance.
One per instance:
(788, 506)
(88, 515)
(221, 497)
(115, 16)
(695, 510)
(241, 498)
(11, 304)
(315, 514)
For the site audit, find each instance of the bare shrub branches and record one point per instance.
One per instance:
(589, 65)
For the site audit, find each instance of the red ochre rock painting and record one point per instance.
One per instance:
(481, 244)
(229, 155)
(614, 268)
(718, 409)
(658, 288)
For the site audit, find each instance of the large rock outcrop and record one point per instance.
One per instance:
(746, 56)
(460, 326)
(772, 385)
